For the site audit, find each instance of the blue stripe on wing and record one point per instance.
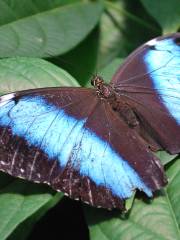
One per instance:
(65, 138)
(163, 64)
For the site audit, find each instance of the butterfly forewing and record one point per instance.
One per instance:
(32, 131)
(150, 81)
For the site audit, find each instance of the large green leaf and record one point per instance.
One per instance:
(24, 228)
(81, 61)
(18, 201)
(156, 219)
(24, 73)
(166, 13)
(51, 32)
(11, 10)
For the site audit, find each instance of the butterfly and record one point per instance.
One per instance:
(96, 144)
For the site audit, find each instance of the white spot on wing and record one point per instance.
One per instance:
(14, 159)
(4, 99)
(38, 175)
(90, 192)
(3, 163)
(151, 42)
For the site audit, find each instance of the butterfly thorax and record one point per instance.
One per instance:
(103, 90)
(118, 103)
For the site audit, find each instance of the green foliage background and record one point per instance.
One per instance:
(76, 39)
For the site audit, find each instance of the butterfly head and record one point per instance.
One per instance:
(97, 81)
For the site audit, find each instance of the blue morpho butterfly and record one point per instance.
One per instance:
(95, 144)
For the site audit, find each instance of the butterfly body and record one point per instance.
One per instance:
(95, 144)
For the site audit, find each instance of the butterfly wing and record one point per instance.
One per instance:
(34, 127)
(68, 138)
(150, 81)
(120, 160)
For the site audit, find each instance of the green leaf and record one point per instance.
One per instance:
(112, 39)
(165, 157)
(12, 10)
(129, 202)
(24, 228)
(173, 189)
(49, 33)
(108, 72)
(25, 73)
(124, 26)
(18, 201)
(166, 13)
(156, 219)
(81, 61)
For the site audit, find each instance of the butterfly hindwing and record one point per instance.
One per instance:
(68, 138)
(150, 80)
